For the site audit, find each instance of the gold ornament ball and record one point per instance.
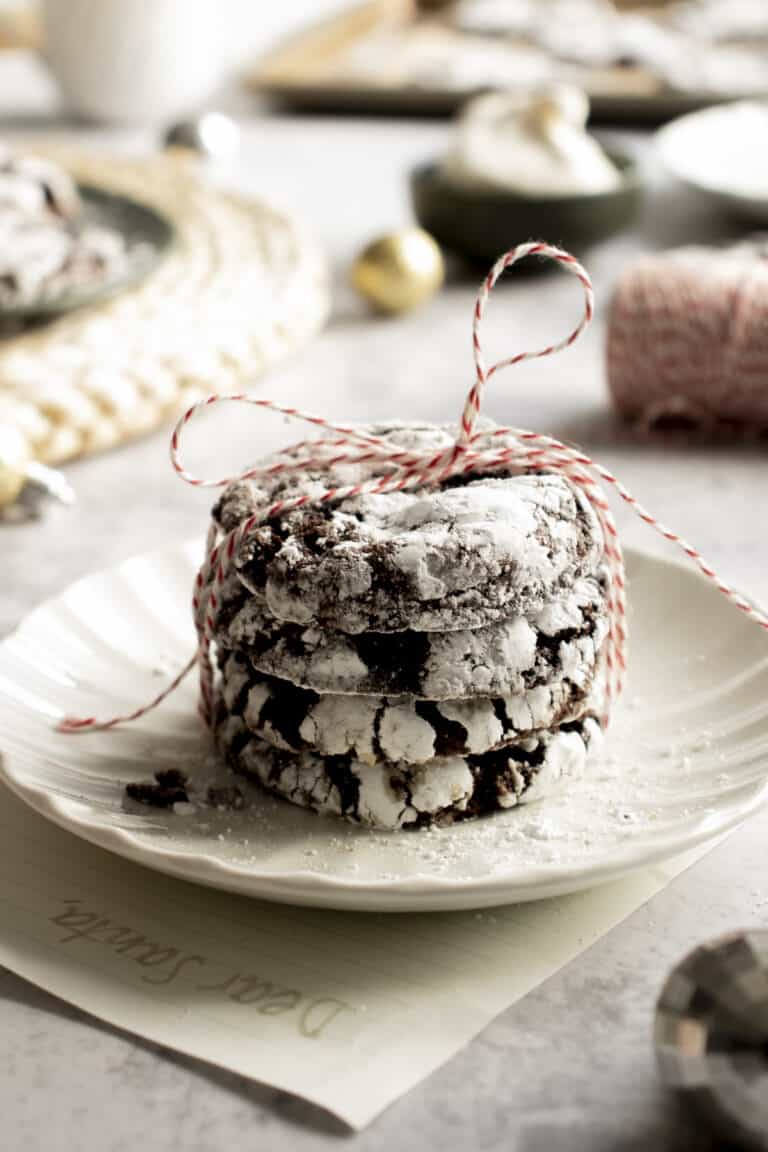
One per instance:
(14, 457)
(399, 271)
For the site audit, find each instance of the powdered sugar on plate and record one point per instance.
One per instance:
(613, 803)
(685, 758)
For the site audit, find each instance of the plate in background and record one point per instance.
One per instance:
(721, 151)
(686, 757)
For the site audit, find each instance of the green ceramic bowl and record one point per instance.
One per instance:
(481, 225)
(148, 236)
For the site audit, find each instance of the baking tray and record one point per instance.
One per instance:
(305, 73)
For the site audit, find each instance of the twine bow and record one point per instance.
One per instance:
(395, 469)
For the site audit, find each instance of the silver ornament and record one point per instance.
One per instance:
(212, 134)
(40, 484)
(711, 1034)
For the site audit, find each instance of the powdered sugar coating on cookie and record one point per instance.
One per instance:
(398, 728)
(502, 659)
(396, 795)
(473, 552)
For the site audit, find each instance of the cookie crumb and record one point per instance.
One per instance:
(168, 790)
(171, 778)
(226, 796)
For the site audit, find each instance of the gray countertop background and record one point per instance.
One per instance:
(571, 1066)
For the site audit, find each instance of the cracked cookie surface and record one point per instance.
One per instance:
(373, 729)
(472, 552)
(562, 641)
(398, 795)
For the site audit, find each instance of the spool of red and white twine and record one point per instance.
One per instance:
(687, 343)
(514, 449)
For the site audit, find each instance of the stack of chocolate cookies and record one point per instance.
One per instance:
(412, 657)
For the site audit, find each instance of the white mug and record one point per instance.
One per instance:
(136, 60)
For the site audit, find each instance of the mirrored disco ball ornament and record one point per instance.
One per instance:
(711, 1034)
(212, 134)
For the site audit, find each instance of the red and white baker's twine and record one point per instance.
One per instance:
(395, 469)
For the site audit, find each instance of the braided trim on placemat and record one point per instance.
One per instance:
(242, 288)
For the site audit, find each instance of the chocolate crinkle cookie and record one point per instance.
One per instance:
(48, 247)
(398, 794)
(416, 657)
(476, 551)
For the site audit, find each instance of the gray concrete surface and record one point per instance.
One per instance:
(571, 1066)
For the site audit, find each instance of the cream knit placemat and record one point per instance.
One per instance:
(242, 288)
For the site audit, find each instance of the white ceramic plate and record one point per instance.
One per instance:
(686, 757)
(722, 152)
